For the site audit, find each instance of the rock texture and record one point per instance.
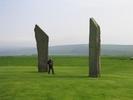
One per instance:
(94, 49)
(42, 40)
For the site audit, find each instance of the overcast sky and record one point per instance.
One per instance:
(65, 21)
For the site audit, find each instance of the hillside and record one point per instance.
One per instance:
(79, 49)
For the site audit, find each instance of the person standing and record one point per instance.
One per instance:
(50, 66)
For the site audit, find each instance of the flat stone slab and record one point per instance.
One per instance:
(42, 40)
(94, 49)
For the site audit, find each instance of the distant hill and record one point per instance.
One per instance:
(82, 49)
(79, 49)
(17, 51)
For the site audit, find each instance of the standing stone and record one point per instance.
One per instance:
(42, 48)
(94, 49)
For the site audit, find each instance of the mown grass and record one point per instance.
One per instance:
(19, 79)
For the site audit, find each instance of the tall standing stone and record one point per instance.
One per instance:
(42, 40)
(94, 49)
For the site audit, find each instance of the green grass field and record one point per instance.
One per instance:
(19, 79)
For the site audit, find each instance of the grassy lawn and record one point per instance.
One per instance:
(19, 79)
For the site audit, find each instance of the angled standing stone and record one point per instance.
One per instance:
(94, 49)
(42, 48)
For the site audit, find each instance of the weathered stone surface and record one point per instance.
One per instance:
(94, 49)
(42, 40)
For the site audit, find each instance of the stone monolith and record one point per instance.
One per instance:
(42, 40)
(94, 49)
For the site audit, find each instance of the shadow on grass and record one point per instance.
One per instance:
(67, 76)
(56, 75)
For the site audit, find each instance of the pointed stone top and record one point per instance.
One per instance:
(94, 22)
(37, 28)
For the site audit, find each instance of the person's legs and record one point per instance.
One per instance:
(49, 70)
(52, 70)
